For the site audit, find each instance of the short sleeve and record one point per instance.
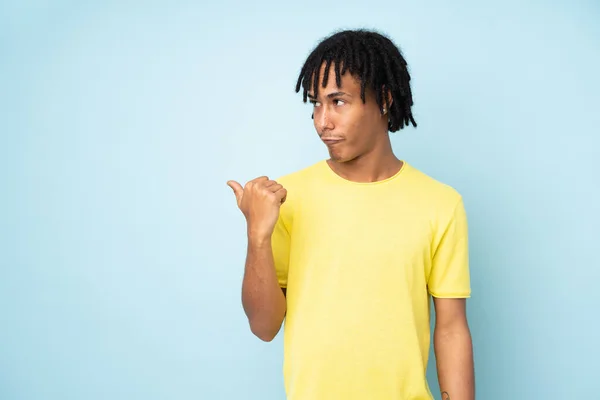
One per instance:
(280, 243)
(449, 276)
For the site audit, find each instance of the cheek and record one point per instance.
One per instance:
(357, 127)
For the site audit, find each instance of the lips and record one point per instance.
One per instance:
(331, 140)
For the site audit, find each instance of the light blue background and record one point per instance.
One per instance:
(121, 247)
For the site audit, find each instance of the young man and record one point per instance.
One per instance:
(350, 250)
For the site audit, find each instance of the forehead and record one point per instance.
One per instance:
(348, 82)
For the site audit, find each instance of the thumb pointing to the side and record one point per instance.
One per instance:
(238, 190)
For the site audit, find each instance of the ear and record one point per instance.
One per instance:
(388, 100)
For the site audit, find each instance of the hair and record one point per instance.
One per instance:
(372, 58)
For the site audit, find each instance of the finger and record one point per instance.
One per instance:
(256, 182)
(238, 190)
(269, 183)
(260, 179)
(275, 187)
(281, 194)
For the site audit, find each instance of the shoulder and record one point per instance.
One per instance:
(430, 185)
(431, 192)
(296, 184)
(300, 177)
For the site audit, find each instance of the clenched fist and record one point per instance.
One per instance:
(259, 201)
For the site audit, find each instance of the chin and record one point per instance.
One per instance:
(340, 158)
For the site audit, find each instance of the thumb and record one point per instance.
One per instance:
(238, 190)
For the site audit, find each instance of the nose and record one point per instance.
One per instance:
(323, 120)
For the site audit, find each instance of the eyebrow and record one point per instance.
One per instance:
(330, 95)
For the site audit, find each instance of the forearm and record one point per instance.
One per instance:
(262, 298)
(454, 357)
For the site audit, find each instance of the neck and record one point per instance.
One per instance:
(378, 164)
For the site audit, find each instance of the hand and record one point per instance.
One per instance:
(259, 201)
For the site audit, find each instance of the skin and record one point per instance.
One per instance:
(263, 301)
(360, 150)
(453, 349)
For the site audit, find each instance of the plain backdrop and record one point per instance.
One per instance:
(121, 247)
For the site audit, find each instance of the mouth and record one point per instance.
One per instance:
(331, 141)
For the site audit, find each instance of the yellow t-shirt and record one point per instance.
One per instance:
(360, 262)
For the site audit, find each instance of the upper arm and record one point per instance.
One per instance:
(281, 242)
(449, 275)
(450, 313)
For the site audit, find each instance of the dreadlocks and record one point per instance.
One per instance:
(374, 60)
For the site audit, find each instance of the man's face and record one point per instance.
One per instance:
(349, 128)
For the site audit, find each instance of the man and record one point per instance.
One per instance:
(350, 250)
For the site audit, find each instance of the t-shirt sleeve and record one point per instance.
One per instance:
(280, 243)
(449, 276)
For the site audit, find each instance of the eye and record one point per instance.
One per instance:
(315, 103)
(339, 102)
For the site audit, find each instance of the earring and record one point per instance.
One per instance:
(384, 110)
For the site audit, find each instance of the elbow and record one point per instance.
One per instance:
(456, 327)
(264, 333)
(454, 337)
(265, 337)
